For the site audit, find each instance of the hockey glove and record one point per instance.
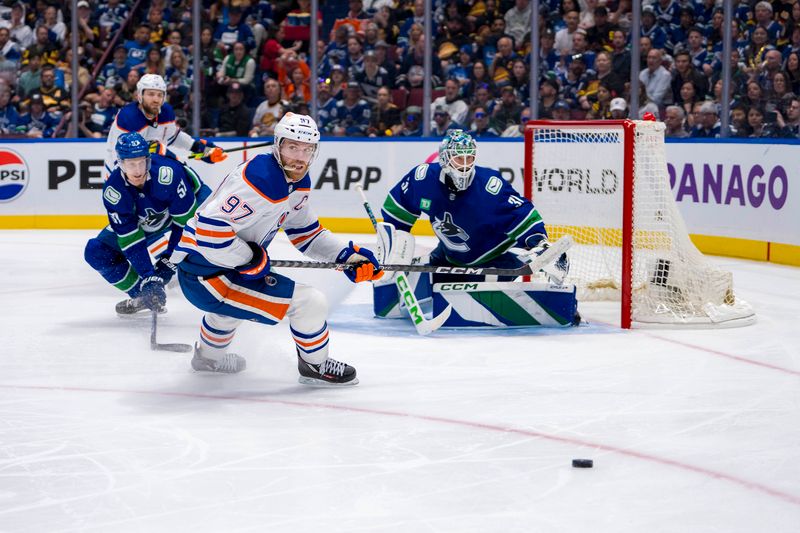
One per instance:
(361, 262)
(258, 266)
(207, 152)
(557, 271)
(165, 270)
(161, 149)
(152, 292)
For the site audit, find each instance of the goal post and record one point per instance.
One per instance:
(605, 182)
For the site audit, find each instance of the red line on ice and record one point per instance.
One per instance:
(750, 485)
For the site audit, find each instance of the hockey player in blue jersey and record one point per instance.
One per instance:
(224, 267)
(154, 119)
(149, 198)
(478, 218)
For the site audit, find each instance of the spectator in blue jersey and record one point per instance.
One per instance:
(351, 115)
(138, 47)
(38, 122)
(448, 191)
(235, 31)
(708, 126)
(764, 19)
(9, 116)
(650, 29)
(99, 118)
(110, 15)
(149, 198)
(116, 71)
(9, 50)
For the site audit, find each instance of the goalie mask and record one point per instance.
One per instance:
(457, 153)
(133, 154)
(300, 128)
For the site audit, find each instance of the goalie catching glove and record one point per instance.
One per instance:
(538, 244)
(362, 262)
(207, 152)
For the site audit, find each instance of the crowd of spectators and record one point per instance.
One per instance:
(255, 64)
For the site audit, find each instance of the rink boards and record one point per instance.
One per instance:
(738, 198)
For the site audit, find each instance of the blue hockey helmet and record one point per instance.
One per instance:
(457, 153)
(132, 146)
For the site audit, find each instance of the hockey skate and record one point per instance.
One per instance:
(133, 306)
(229, 364)
(329, 373)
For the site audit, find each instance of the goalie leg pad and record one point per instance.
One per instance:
(506, 304)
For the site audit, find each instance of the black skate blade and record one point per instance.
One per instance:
(171, 347)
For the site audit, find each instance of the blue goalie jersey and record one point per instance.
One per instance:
(474, 226)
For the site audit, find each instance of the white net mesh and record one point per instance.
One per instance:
(578, 186)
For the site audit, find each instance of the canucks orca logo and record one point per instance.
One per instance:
(153, 220)
(452, 236)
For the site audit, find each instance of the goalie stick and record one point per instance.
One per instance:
(478, 271)
(169, 347)
(421, 324)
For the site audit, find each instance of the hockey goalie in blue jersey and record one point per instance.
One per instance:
(224, 267)
(154, 119)
(479, 220)
(149, 198)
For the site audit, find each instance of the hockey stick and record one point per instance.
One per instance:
(524, 270)
(550, 255)
(236, 149)
(169, 347)
(407, 296)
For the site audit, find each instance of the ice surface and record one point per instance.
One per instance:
(690, 431)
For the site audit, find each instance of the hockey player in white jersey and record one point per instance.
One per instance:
(154, 119)
(224, 267)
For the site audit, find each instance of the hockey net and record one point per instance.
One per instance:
(606, 184)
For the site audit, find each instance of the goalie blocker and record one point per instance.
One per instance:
(475, 302)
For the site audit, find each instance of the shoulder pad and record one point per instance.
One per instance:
(167, 114)
(130, 118)
(266, 178)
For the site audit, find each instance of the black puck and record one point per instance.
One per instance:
(582, 463)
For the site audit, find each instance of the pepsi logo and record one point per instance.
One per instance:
(13, 175)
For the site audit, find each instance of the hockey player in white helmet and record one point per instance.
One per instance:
(154, 119)
(224, 266)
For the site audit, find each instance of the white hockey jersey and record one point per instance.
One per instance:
(163, 129)
(251, 205)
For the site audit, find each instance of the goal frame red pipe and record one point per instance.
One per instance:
(629, 130)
